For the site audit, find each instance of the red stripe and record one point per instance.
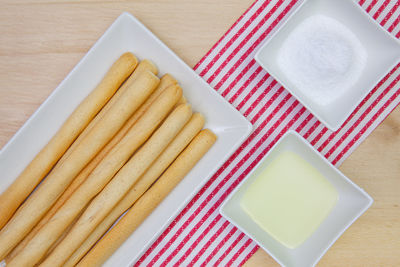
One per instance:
(250, 64)
(241, 44)
(259, 98)
(361, 2)
(223, 37)
(319, 135)
(265, 107)
(234, 38)
(390, 13)
(238, 78)
(275, 96)
(218, 247)
(214, 192)
(380, 9)
(229, 249)
(365, 100)
(365, 128)
(199, 238)
(209, 242)
(361, 118)
(394, 24)
(246, 83)
(254, 90)
(311, 129)
(304, 123)
(222, 183)
(251, 48)
(240, 251)
(254, 250)
(373, 3)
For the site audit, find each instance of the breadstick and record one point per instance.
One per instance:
(115, 190)
(62, 236)
(165, 81)
(62, 175)
(143, 65)
(156, 169)
(17, 192)
(149, 201)
(98, 178)
(182, 100)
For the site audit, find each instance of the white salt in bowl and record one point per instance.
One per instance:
(352, 203)
(354, 66)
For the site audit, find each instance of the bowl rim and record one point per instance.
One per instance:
(339, 123)
(369, 200)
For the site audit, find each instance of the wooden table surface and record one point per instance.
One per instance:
(41, 41)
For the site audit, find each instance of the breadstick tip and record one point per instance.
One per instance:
(149, 65)
(208, 133)
(169, 78)
(199, 116)
(176, 89)
(184, 108)
(182, 100)
(128, 56)
(146, 75)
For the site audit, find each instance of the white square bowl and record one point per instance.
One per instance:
(382, 48)
(128, 34)
(352, 202)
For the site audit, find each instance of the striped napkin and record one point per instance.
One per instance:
(199, 235)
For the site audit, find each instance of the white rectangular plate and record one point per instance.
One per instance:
(128, 34)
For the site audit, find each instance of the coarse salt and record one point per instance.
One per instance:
(322, 58)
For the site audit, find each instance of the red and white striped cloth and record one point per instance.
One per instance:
(199, 235)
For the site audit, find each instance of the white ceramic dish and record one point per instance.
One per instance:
(128, 34)
(382, 48)
(352, 202)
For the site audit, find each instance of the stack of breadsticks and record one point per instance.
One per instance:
(124, 148)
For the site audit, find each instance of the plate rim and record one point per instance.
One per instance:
(245, 125)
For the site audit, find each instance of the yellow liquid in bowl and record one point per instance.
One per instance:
(289, 199)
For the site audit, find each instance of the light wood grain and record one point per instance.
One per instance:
(41, 41)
